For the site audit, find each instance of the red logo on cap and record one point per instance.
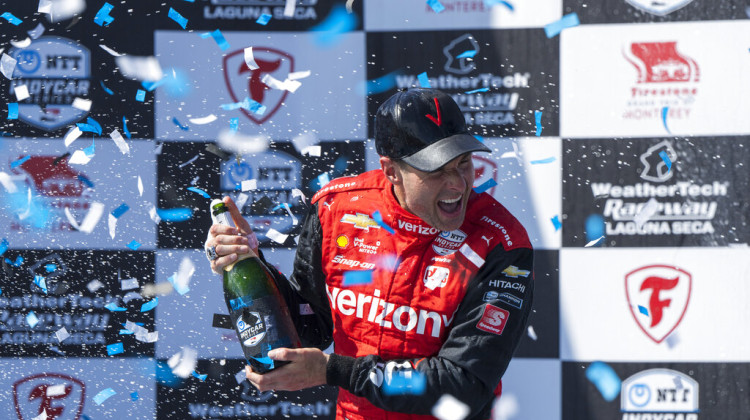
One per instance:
(433, 119)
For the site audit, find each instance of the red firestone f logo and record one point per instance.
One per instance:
(655, 304)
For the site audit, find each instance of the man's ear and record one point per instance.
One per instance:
(391, 170)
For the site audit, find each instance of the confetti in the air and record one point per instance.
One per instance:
(378, 218)
(134, 245)
(605, 379)
(200, 377)
(7, 66)
(22, 43)
(543, 161)
(664, 113)
(102, 17)
(203, 120)
(82, 104)
(424, 81)
(263, 19)
(89, 222)
(538, 119)
(645, 213)
(106, 89)
(12, 111)
(116, 348)
(276, 236)
(491, 3)
(113, 307)
(435, 5)
(567, 21)
(22, 92)
(531, 333)
(250, 59)
(199, 191)
(140, 95)
(150, 305)
(218, 38)
(667, 161)
(32, 319)
(357, 277)
(484, 89)
(184, 362)
(486, 185)
(140, 68)
(642, 310)
(331, 30)
(594, 242)
(177, 17)
(103, 395)
(450, 408)
(410, 382)
(11, 18)
(556, 222)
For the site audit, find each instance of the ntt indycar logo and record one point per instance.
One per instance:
(386, 314)
(659, 394)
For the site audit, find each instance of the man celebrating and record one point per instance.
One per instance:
(451, 274)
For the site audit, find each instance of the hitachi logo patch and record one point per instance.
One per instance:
(386, 314)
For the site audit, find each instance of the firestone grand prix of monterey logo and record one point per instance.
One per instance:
(245, 83)
(658, 296)
(60, 396)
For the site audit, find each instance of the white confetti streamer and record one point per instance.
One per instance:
(120, 142)
(646, 212)
(449, 408)
(112, 224)
(531, 332)
(241, 200)
(7, 66)
(298, 74)
(94, 285)
(140, 68)
(60, 10)
(249, 185)
(61, 335)
(289, 211)
(41, 416)
(22, 92)
(505, 407)
(129, 284)
(296, 192)
(594, 242)
(203, 120)
(37, 31)
(8, 183)
(349, 4)
(79, 157)
(289, 8)
(193, 159)
(154, 215)
(237, 143)
(110, 51)
(276, 236)
(183, 363)
(273, 83)
(312, 151)
(303, 141)
(72, 135)
(82, 104)
(250, 59)
(140, 186)
(91, 219)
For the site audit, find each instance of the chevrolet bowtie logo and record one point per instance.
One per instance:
(360, 221)
(513, 271)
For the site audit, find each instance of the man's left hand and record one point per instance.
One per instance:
(307, 368)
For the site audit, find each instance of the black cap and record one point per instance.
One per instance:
(424, 128)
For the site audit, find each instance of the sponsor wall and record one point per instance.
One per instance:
(632, 192)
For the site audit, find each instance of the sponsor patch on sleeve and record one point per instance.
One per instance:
(493, 319)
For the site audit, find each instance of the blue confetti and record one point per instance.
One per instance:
(120, 210)
(13, 111)
(556, 222)
(480, 138)
(467, 54)
(248, 104)
(486, 185)
(234, 124)
(32, 319)
(134, 395)
(541, 161)
(642, 310)
(538, 118)
(605, 379)
(134, 245)
(85, 180)
(112, 306)
(379, 85)
(435, 5)
(179, 214)
(177, 123)
(103, 395)
(19, 162)
(125, 127)
(17, 263)
(424, 81)
(401, 384)
(594, 227)
(199, 191)
(664, 113)
(329, 32)
(490, 3)
(357, 277)
(89, 151)
(177, 17)
(378, 218)
(200, 377)
(263, 19)
(140, 95)
(240, 302)
(106, 89)
(102, 17)
(266, 361)
(150, 86)
(126, 332)
(220, 40)
(41, 282)
(665, 157)
(50, 267)
(477, 90)
(11, 18)
(180, 288)
(567, 21)
(150, 305)
(114, 349)
(94, 123)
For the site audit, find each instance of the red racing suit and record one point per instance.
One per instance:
(450, 305)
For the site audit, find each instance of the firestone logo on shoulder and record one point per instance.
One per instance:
(659, 394)
(663, 293)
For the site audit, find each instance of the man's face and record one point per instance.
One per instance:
(439, 198)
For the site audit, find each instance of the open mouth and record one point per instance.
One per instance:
(450, 206)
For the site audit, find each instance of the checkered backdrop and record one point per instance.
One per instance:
(620, 144)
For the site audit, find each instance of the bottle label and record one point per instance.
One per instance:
(250, 327)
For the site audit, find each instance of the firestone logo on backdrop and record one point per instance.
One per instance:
(245, 83)
(495, 107)
(658, 296)
(665, 77)
(60, 396)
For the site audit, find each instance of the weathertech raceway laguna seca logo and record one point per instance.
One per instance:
(665, 77)
(245, 83)
(658, 297)
(60, 396)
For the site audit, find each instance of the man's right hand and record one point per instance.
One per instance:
(228, 241)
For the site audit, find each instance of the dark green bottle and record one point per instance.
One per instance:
(258, 312)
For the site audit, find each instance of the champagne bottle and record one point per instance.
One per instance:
(258, 312)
